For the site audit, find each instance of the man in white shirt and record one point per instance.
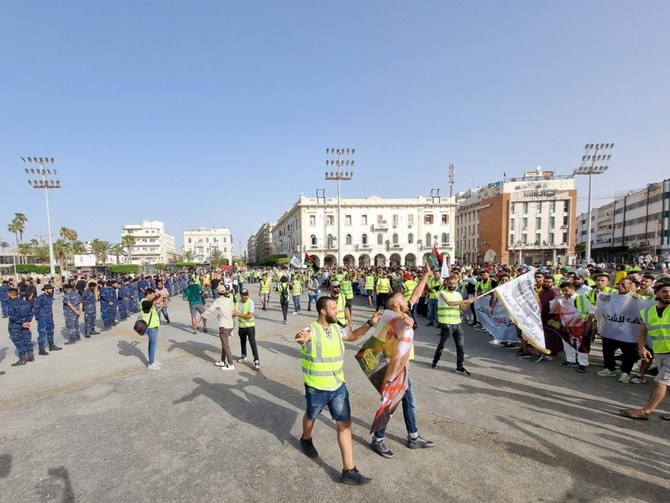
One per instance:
(223, 307)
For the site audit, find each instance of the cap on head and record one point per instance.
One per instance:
(335, 284)
(48, 286)
(244, 291)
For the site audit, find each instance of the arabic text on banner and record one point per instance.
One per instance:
(384, 358)
(498, 322)
(518, 297)
(619, 316)
(295, 262)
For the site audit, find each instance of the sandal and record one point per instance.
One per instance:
(634, 414)
(638, 380)
(666, 417)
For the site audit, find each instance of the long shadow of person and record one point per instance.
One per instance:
(3, 354)
(132, 349)
(62, 473)
(5, 465)
(278, 417)
(197, 349)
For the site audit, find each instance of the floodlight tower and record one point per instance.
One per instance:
(339, 176)
(46, 182)
(593, 163)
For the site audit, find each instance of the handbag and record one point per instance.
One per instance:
(140, 326)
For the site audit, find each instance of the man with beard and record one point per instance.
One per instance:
(450, 303)
(545, 296)
(322, 355)
(397, 305)
(655, 323)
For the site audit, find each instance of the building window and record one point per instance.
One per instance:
(380, 239)
(552, 223)
(225, 249)
(538, 224)
(380, 219)
(189, 240)
(348, 239)
(410, 218)
(525, 208)
(330, 220)
(364, 220)
(428, 218)
(395, 239)
(347, 219)
(445, 219)
(364, 239)
(395, 219)
(330, 241)
(312, 220)
(445, 238)
(428, 241)
(410, 238)
(312, 240)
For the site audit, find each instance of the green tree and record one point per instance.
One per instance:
(41, 253)
(3, 245)
(189, 256)
(25, 249)
(117, 251)
(100, 249)
(68, 234)
(216, 258)
(128, 242)
(17, 227)
(61, 252)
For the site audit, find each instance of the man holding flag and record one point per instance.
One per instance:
(397, 377)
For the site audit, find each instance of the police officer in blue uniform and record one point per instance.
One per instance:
(71, 312)
(135, 296)
(4, 300)
(44, 314)
(20, 314)
(88, 300)
(123, 298)
(107, 294)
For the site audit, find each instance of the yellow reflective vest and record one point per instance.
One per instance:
(658, 329)
(322, 358)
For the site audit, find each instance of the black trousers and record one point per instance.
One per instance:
(248, 333)
(628, 358)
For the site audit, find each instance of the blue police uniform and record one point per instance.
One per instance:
(4, 299)
(19, 312)
(44, 314)
(123, 300)
(71, 319)
(88, 299)
(134, 292)
(107, 295)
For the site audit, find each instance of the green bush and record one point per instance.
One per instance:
(159, 266)
(185, 264)
(34, 269)
(275, 260)
(124, 269)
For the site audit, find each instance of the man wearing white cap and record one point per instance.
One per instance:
(223, 307)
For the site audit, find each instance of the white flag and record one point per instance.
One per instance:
(445, 268)
(518, 297)
(619, 316)
(295, 262)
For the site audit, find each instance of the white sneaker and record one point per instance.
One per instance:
(220, 363)
(228, 367)
(153, 366)
(242, 359)
(257, 365)
(294, 312)
(156, 362)
(624, 378)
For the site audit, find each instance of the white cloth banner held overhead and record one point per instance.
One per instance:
(518, 297)
(444, 273)
(295, 262)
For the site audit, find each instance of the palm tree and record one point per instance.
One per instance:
(3, 245)
(117, 251)
(41, 253)
(189, 256)
(128, 242)
(216, 258)
(100, 249)
(68, 234)
(61, 252)
(17, 226)
(26, 249)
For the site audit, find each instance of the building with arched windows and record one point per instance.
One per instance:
(375, 231)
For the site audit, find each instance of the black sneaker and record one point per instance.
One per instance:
(354, 478)
(462, 371)
(433, 365)
(204, 330)
(379, 446)
(568, 364)
(419, 443)
(308, 448)
(582, 369)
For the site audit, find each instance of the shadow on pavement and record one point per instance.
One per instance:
(582, 469)
(132, 349)
(57, 487)
(5, 465)
(3, 354)
(198, 349)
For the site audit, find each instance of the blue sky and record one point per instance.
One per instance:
(218, 113)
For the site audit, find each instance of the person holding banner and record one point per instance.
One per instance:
(577, 344)
(655, 324)
(322, 357)
(450, 304)
(398, 307)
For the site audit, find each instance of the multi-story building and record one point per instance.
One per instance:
(152, 244)
(637, 223)
(375, 231)
(202, 242)
(259, 245)
(519, 220)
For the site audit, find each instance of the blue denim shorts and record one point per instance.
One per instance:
(337, 402)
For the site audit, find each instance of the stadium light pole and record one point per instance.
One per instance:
(339, 176)
(46, 182)
(593, 163)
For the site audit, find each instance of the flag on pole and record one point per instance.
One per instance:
(295, 262)
(518, 297)
(309, 262)
(434, 259)
(445, 269)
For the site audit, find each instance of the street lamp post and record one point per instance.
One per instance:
(46, 182)
(593, 163)
(339, 176)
